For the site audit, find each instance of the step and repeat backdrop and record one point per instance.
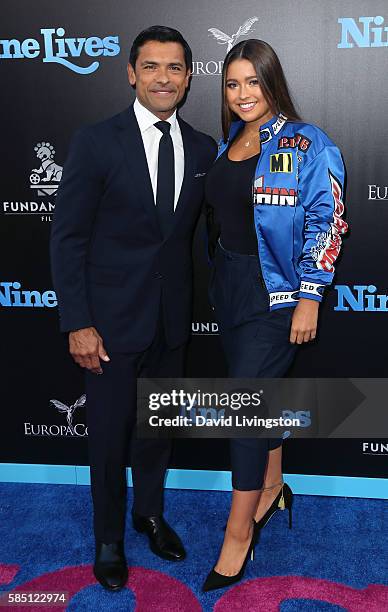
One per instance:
(63, 65)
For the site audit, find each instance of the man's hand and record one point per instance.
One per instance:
(304, 321)
(86, 348)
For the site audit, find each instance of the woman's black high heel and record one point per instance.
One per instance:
(282, 501)
(215, 580)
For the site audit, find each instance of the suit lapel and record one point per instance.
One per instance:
(132, 144)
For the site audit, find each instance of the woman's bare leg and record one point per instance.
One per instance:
(238, 532)
(273, 476)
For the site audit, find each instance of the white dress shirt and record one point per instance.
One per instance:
(151, 136)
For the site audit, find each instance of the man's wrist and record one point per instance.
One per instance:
(72, 331)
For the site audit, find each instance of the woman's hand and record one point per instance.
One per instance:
(304, 321)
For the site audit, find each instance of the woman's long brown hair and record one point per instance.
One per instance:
(271, 79)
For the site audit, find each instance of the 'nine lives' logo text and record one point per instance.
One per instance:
(364, 34)
(212, 67)
(13, 296)
(43, 181)
(360, 298)
(56, 48)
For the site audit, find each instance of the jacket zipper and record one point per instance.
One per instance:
(264, 286)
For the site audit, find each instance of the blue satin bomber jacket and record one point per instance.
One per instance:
(297, 196)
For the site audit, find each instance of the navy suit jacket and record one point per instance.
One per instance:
(110, 264)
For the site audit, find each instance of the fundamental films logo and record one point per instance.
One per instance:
(204, 328)
(375, 448)
(43, 181)
(214, 66)
(55, 47)
(46, 178)
(66, 429)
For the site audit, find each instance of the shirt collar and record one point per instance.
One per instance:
(146, 119)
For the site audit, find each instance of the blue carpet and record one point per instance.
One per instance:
(46, 528)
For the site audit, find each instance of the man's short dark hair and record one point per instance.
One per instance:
(160, 34)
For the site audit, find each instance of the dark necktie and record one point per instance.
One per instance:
(166, 178)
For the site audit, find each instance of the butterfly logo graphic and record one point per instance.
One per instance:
(225, 39)
(69, 410)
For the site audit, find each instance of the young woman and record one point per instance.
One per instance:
(275, 223)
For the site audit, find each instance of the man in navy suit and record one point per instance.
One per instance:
(127, 206)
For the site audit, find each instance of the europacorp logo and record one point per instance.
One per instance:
(64, 430)
(55, 47)
(212, 67)
(368, 32)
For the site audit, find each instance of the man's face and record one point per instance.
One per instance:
(161, 77)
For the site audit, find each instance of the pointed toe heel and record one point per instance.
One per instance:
(215, 580)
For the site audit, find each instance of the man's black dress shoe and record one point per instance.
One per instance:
(164, 542)
(110, 566)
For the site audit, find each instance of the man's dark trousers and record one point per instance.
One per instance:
(111, 412)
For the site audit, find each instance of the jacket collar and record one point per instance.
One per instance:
(267, 130)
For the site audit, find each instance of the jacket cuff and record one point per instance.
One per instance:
(311, 291)
(72, 323)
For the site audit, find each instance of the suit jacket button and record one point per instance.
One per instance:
(158, 275)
